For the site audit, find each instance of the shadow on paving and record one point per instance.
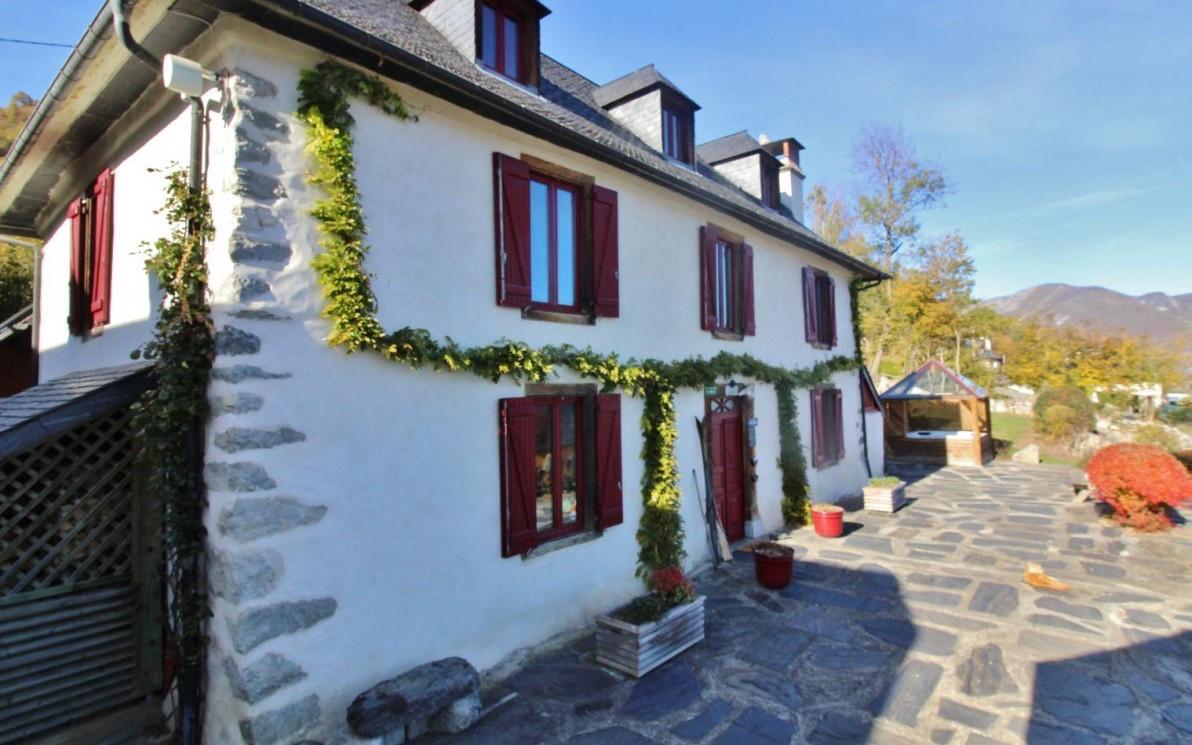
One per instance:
(817, 662)
(1097, 698)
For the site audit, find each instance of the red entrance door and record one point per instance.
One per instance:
(728, 464)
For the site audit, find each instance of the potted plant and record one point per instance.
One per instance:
(884, 493)
(828, 519)
(652, 629)
(773, 564)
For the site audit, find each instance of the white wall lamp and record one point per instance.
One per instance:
(186, 77)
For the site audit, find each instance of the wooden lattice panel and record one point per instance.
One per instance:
(66, 508)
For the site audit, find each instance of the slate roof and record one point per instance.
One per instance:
(393, 38)
(636, 82)
(727, 148)
(42, 411)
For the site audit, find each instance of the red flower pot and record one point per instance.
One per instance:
(773, 564)
(828, 520)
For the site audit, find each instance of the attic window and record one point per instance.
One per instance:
(507, 39)
(769, 184)
(677, 134)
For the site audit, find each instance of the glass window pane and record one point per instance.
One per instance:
(512, 43)
(488, 36)
(543, 468)
(539, 242)
(565, 207)
(569, 475)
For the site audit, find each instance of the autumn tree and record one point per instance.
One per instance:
(16, 278)
(13, 117)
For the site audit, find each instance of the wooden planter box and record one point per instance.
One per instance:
(639, 649)
(884, 499)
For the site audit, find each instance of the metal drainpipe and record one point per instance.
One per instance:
(190, 678)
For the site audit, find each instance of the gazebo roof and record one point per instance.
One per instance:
(934, 380)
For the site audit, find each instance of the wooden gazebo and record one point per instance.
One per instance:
(937, 416)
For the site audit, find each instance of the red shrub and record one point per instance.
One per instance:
(672, 586)
(1142, 483)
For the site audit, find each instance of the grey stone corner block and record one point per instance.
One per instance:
(241, 373)
(256, 626)
(236, 403)
(237, 477)
(272, 127)
(248, 85)
(261, 679)
(248, 519)
(258, 314)
(245, 575)
(281, 724)
(253, 217)
(249, 150)
(247, 287)
(413, 696)
(250, 183)
(235, 439)
(231, 341)
(250, 250)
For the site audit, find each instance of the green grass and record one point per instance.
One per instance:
(1017, 430)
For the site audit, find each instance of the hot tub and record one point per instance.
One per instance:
(940, 434)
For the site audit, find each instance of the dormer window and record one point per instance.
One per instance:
(677, 135)
(507, 38)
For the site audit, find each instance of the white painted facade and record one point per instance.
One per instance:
(406, 462)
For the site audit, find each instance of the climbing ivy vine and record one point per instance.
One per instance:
(324, 108)
(169, 417)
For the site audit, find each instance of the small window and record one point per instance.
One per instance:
(827, 427)
(819, 308)
(560, 468)
(727, 278)
(504, 40)
(91, 256)
(676, 133)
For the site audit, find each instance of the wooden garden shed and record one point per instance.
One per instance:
(937, 416)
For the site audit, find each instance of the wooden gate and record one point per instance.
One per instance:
(80, 613)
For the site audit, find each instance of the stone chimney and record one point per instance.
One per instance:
(790, 176)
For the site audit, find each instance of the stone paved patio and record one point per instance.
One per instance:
(913, 628)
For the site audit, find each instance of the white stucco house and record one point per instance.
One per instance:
(357, 511)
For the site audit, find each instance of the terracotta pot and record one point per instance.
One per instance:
(773, 564)
(828, 520)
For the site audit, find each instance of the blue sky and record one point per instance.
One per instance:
(1066, 127)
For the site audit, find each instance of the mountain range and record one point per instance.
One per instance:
(1163, 317)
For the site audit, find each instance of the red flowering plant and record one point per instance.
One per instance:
(668, 589)
(1142, 484)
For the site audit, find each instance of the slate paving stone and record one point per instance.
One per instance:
(1083, 700)
(926, 555)
(994, 598)
(841, 728)
(768, 686)
(666, 690)
(1146, 618)
(766, 600)
(820, 596)
(984, 673)
(776, 650)
(1179, 715)
(1121, 598)
(939, 580)
(1075, 610)
(932, 597)
(1041, 733)
(1153, 690)
(939, 548)
(983, 560)
(906, 695)
(870, 543)
(942, 736)
(821, 622)
(971, 717)
(704, 722)
(1057, 622)
(755, 726)
(1103, 571)
(1081, 544)
(951, 620)
(950, 536)
(563, 677)
(1077, 529)
(849, 658)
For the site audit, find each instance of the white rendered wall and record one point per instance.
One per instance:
(135, 293)
(407, 462)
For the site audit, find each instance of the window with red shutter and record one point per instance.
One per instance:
(553, 450)
(827, 427)
(557, 241)
(819, 308)
(726, 283)
(91, 236)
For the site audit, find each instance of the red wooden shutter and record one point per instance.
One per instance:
(817, 429)
(747, 289)
(838, 416)
(519, 522)
(606, 280)
(810, 326)
(609, 511)
(707, 275)
(511, 178)
(101, 262)
(78, 266)
(831, 306)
